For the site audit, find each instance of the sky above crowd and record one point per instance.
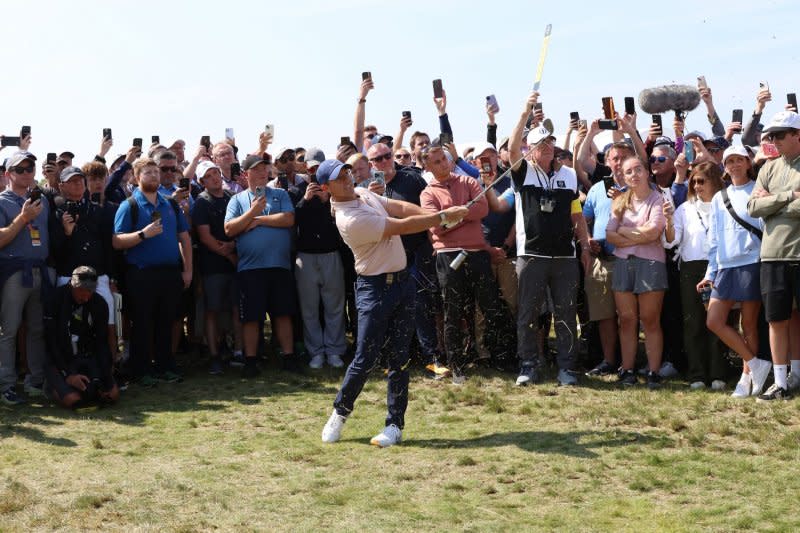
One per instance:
(183, 69)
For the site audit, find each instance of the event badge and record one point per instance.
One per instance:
(36, 239)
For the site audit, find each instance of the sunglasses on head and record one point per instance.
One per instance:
(20, 169)
(383, 157)
(660, 159)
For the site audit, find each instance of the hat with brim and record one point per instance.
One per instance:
(18, 157)
(783, 121)
(252, 160)
(329, 170)
(734, 150)
(84, 277)
(204, 167)
(537, 135)
(69, 173)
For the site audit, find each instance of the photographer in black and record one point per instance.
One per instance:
(78, 368)
(80, 234)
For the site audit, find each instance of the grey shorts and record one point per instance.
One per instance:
(639, 275)
(221, 292)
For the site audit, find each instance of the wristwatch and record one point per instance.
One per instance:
(142, 235)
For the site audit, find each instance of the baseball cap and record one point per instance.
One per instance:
(329, 170)
(482, 147)
(70, 172)
(785, 120)
(503, 143)
(84, 277)
(67, 154)
(537, 135)
(695, 133)
(663, 141)
(282, 151)
(314, 157)
(381, 138)
(252, 160)
(18, 157)
(720, 142)
(734, 150)
(204, 167)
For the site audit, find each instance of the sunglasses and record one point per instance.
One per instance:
(660, 159)
(777, 135)
(698, 181)
(714, 150)
(403, 156)
(19, 169)
(385, 157)
(168, 169)
(87, 277)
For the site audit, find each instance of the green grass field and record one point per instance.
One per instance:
(221, 453)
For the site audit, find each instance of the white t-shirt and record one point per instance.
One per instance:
(361, 223)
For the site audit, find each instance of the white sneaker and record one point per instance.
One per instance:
(333, 427)
(697, 385)
(317, 361)
(759, 372)
(668, 370)
(390, 435)
(718, 384)
(793, 381)
(335, 361)
(742, 389)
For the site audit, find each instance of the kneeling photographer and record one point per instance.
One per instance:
(79, 360)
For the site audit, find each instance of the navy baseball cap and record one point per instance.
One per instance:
(329, 170)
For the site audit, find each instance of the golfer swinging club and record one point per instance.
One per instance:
(371, 226)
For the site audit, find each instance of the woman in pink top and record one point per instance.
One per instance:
(640, 275)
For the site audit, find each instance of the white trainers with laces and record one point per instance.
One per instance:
(742, 389)
(759, 372)
(335, 361)
(718, 384)
(390, 435)
(317, 361)
(333, 427)
(793, 381)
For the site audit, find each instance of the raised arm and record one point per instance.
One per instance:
(358, 121)
(515, 141)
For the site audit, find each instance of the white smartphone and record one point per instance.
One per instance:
(229, 133)
(764, 85)
(701, 82)
(270, 129)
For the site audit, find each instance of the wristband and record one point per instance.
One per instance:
(362, 100)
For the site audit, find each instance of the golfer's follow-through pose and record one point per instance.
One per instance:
(371, 226)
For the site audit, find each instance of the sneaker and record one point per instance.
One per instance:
(718, 384)
(759, 372)
(335, 361)
(742, 389)
(567, 378)
(317, 362)
(250, 368)
(147, 381)
(291, 363)
(237, 360)
(10, 397)
(668, 370)
(459, 378)
(216, 368)
(603, 369)
(437, 371)
(654, 380)
(628, 378)
(333, 427)
(34, 391)
(793, 381)
(774, 393)
(527, 375)
(697, 385)
(390, 435)
(170, 377)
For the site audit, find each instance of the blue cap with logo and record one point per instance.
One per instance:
(329, 170)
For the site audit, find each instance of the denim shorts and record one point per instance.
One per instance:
(637, 275)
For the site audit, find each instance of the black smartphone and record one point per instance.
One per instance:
(407, 114)
(10, 141)
(106, 133)
(737, 116)
(538, 107)
(343, 141)
(608, 182)
(155, 139)
(438, 92)
(25, 131)
(283, 179)
(606, 124)
(137, 142)
(156, 216)
(630, 105)
(791, 99)
(205, 140)
(184, 183)
(51, 158)
(72, 209)
(236, 170)
(95, 198)
(36, 194)
(574, 116)
(445, 138)
(366, 76)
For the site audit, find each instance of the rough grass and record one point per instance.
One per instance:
(225, 454)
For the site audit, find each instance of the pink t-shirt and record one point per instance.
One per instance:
(649, 213)
(361, 223)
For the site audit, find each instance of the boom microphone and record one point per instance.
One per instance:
(678, 98)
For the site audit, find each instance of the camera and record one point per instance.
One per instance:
(547, 204)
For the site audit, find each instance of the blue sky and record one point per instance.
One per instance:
(185, 69)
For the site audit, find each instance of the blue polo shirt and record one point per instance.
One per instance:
(263, 246)
(169, 191)
(22, 247)
(598, 208)
(161, 250)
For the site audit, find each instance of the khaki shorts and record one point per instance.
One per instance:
(599, 296)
